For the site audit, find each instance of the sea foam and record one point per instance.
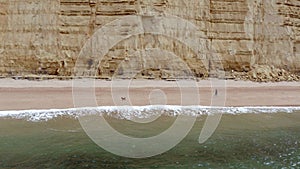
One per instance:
(139, 112)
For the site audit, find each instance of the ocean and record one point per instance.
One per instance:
(245, 137)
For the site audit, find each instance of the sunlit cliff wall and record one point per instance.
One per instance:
(45, 36)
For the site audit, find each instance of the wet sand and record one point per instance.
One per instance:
(55, 94)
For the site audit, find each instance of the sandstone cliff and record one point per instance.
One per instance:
(44, 37)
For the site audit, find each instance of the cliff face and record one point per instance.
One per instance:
(46, 36)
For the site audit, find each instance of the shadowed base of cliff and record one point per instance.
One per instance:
(259, 73)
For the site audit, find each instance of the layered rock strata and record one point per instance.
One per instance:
(43, 37)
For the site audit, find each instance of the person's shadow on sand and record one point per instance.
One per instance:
(216, 92)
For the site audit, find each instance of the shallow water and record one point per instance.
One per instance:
(240, 141)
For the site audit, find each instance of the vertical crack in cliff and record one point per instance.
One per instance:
(92, 24)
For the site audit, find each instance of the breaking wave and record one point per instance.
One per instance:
(141, 112)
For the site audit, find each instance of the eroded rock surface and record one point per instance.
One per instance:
(42, 37)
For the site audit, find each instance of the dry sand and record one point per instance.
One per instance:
(55, 94)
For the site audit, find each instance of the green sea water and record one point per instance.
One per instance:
(240, 141)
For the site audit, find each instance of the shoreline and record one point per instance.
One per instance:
(141, 112)
(57, 94)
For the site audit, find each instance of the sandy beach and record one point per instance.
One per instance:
(55, 94)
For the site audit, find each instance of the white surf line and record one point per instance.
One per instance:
(129, 112)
